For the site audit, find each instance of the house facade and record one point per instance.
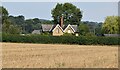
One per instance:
(57, 30)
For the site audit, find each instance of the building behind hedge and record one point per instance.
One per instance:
(60, 29)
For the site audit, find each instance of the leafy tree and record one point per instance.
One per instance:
(111, 25)
(29, 25)
(83, 29)
(36, 21)
(14, 29)
(5, 22)
(98, 29)
(71, 14)
(19, 21)
(11, 28)
(7, 25)
(4, 13)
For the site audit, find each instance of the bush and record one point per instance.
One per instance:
(82, 40)
(67, 34)
(90, 34)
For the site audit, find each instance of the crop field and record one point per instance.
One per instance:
(21, 55)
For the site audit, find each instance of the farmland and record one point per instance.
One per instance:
(21, 55)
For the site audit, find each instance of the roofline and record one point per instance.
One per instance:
(51, 28)
(56, 26)
(70, 26)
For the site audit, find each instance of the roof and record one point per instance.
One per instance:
(50, 27)
(36, 32)
(75, 27)
(47, 27)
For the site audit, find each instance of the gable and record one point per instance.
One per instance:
(57, 27)
(69, 27)
(57, 31)
(69, 30)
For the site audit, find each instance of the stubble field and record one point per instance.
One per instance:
(19, 55)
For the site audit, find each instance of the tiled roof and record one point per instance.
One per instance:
(47, 27)
(36, 32)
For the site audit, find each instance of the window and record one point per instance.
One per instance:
(57, 30)
(69, 31)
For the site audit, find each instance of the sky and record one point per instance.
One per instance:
(92, 11)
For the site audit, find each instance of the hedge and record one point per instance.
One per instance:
(81, 40)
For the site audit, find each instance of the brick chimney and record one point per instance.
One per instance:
(61, 21)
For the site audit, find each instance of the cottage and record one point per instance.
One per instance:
(60, 29)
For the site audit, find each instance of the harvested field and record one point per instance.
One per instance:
(19, 55)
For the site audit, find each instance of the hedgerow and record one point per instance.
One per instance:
(81, 40)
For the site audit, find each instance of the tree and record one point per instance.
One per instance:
(14, 29)
(83, 29)
(111, 25)
(4, 13)
(10, 28)
(18, 20)
(5, 22)
(29, 25)
(7, 25)
(71, 14)
(98, 29)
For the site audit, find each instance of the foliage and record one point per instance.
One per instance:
(92, 27)
(98, 28)
(4, 13)
(46, 34)
(18, 24)
(82, 40)
(71, 14)
(83, 29)
(67, 34)
(11, 29)
(90, 34)
(28, 25)
(111, 25)
(7, 25)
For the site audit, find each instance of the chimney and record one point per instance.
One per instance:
(61, 21)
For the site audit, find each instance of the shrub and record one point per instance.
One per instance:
(82, 40)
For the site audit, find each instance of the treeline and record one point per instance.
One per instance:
(18, 24)
(28, 25)
(81, 40)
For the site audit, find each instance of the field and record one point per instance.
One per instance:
(19, 55)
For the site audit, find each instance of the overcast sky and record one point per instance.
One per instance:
(92, 11)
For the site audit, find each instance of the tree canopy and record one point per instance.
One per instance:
(3, 13)
(111, 25)
(71, 14)
(7, 25)
(83, 29)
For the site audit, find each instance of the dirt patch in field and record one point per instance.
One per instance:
(19, 55)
